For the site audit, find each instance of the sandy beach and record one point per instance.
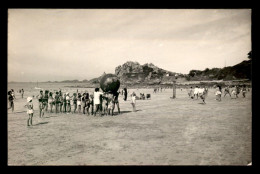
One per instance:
(163, 131)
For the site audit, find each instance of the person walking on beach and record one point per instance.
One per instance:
(196, 92)
(133, 101)
(244, 91)
(10, 101)
(29, 106)
(218, 93)
(227, 91)
(22, 92)
(97, 101)
(191, 93)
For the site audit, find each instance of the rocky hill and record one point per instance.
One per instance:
(132, 73)
(135, 74)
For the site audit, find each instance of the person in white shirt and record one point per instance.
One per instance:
(133, 101)
(97, 101)
(196, 92)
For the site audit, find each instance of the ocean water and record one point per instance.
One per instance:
(33, 89)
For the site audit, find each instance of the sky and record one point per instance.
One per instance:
(69, 44)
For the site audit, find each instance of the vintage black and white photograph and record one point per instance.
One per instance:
(124, 87)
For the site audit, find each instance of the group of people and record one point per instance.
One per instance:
(202, 92)
(197, 92)
(99, 102)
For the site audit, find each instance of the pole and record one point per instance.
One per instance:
(174, 89)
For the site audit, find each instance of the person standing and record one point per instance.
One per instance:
(74, 100)
(51, 101)
(22, 92)
(125, 94)
(97, 101)
(79, 102)
(133, 101)
(68, 103)
(29, 106)
(41, 104)
(60, 101)
(57, 102)
(116, 102)
(10, 100)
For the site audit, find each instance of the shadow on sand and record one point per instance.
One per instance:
(41, 123)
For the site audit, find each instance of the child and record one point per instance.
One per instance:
(64, 104)
(133, 99)
(60, 101)
(105, 104)
(91, 103)
(74, 99)
(79, 102)
(227, 91)
(29, 106)
(50, 101)
(244, 91)
(110, 104)
(84, 102)
(68, 103)
(218, 93)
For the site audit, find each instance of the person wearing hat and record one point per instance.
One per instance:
(29, 106)
(41, 106)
